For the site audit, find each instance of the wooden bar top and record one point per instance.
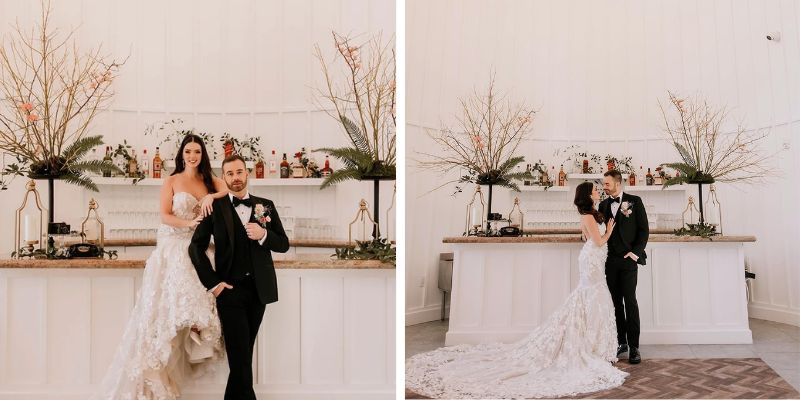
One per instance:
(301, 262)
(563, 238)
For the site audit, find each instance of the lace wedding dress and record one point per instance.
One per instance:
(158, 349)
(570, 353)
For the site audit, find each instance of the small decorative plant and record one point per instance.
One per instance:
(378, 249)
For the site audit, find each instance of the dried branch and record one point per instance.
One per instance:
(708, 154)
(49, 94)
(490, 129)
(365, 99)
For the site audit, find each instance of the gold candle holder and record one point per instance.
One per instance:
(363, 212)
(714, 209)
(690, 208)
(97, 234)
(28, 232)
(515, 216)
(388, 212)
(476, 214)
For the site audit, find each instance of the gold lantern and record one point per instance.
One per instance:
(28, 232)
(92, 228)
(476, 214)
(515, 217)
(362, 214)
(690, 208)
(713, 209)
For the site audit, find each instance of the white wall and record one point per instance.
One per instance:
(242, 66)
(596, 70)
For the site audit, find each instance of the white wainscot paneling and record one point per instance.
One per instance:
(331, 335)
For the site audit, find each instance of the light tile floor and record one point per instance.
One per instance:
(777, 344)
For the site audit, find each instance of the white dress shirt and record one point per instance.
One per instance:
(615, 206)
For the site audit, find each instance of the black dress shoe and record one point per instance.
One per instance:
(634, 357)
(622, 349)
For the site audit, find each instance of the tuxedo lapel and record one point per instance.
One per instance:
(227, 215)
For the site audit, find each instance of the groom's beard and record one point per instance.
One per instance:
(237, 185)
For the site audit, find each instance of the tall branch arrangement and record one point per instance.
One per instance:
(51, 92)
(490, 129)
(362, 100)
(708, 154)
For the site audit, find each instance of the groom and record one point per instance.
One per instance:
(245, 229)
(625, 254)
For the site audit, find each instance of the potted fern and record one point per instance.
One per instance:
(364, 105)
(51, 94)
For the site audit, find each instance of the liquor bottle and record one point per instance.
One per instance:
(284, 167)
(107, 159)
(527, 181)
(562, 176)
(541, 170)
(145, 163)
(273, 165)
(133, 165)
(552, 176)
(632, 179)
(585, 166)
(658, 179)
(544, 179)
(649, 178)
(157, 165)
(327, 171)
(260, 169)
(297, 167)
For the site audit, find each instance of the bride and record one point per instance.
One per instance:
(570, 353)
(173, 331)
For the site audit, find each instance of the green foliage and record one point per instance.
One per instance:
(703, 230)
(358, 165)
(380, 249)
(688, 174)
(69, 166)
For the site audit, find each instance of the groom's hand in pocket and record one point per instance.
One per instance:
(219, 288)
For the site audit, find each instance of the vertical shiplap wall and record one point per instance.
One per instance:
(596, 71)
(240, 66)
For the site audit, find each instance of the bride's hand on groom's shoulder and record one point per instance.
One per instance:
(206, 205)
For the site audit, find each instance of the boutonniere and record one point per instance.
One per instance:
(625, 207)
(261, 213)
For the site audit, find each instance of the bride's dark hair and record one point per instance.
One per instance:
(204, 168)
(583, 200)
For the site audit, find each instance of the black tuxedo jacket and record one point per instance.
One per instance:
(220, 225)
(630, 232)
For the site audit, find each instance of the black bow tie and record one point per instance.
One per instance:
(237, 201)
(615, 199)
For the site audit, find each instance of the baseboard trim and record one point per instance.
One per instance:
(775, 314)
(426, 314)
